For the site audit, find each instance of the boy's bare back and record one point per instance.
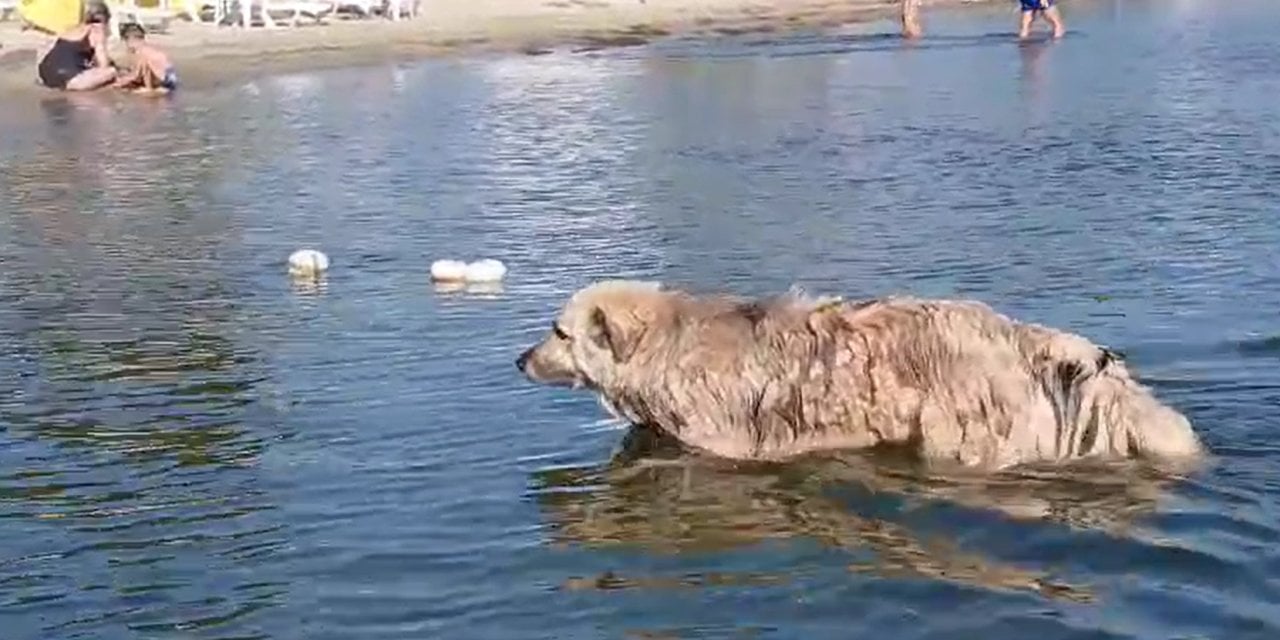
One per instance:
(152, 56)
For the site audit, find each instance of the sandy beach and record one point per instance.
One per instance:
(207, 54)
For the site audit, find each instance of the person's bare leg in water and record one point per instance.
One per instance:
(1055, 19)
(911, 19)
(1024, 27)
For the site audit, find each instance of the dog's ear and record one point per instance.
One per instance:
(617, 330)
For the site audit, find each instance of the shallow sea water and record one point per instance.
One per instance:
(195, 447)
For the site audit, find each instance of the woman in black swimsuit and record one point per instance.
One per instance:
(78, 59)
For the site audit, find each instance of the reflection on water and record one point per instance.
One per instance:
(196, 445)
(478, 289)
(677, 504)
(131, 480)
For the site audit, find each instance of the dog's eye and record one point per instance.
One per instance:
(560, 332)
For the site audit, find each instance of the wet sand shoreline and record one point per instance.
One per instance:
(208, 56)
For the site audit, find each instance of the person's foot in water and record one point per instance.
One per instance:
(1055, 20)
(911, 29)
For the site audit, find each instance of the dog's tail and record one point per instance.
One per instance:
(1102, 411)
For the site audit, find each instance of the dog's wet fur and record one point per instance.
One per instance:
(770, 379)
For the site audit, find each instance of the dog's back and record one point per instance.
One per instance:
(998, 392)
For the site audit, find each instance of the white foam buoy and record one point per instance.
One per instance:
(448, 270)
(308, 262)
(487, 270)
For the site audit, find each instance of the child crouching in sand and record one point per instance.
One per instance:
(152, 71)
(1034, 8)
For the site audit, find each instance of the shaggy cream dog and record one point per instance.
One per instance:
(775, 378)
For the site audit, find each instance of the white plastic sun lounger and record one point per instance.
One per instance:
(151, 18)
(394, 9)
(291, 11)
(8, 8)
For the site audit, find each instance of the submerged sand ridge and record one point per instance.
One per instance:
(207, 54)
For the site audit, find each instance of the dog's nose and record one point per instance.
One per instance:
(522, 361)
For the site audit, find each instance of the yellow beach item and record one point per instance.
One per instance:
(53, 16)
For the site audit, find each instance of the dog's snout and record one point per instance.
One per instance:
(545, 365)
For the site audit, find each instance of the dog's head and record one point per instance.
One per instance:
(597, 331)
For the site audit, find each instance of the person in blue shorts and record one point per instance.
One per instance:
(152, 72)
(1031, 9)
